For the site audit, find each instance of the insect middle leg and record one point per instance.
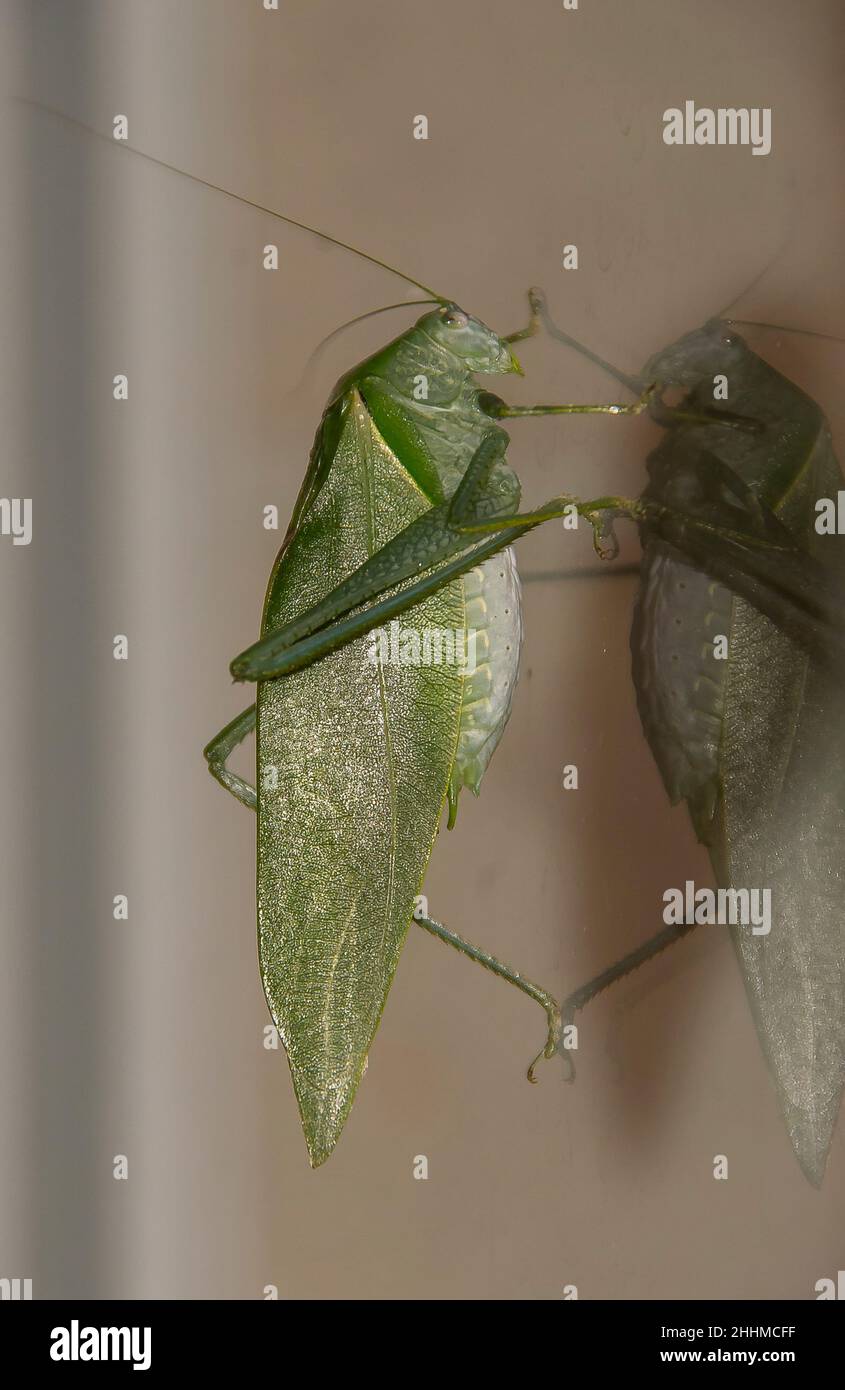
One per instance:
(219, 750)
(505, 972)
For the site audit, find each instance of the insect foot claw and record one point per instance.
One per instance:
(603, 532)
(541, 1056)
(552, 1042)
(536, 299)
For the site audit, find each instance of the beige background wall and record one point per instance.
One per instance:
(145, 1038)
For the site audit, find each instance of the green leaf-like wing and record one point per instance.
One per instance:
(354, 762)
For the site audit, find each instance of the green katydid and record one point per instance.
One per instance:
(357, 757)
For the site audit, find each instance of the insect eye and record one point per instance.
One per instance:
(728, 339)
(455, 318)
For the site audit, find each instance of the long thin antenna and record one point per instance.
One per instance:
(370, 314)
(724, 313)
(539, 305)
(784, 328)
(774, 327)
(350, 323)
(249, 202)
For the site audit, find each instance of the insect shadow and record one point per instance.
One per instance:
(737, 669)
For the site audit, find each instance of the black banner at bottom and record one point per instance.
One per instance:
(58, 1338)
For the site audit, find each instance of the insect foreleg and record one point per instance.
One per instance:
(503, 411)
(219, 749)
(532, 328)
(489, 962)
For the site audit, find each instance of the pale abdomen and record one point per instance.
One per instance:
(493, 599)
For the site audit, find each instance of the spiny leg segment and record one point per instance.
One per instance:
(221, 748)
(505, 972)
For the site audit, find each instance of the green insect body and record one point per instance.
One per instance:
(752, 743)
(356, 754)
(420, 391)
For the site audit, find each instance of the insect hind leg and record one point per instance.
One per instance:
(540, 996)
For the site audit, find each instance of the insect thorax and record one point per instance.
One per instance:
(440, 401)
